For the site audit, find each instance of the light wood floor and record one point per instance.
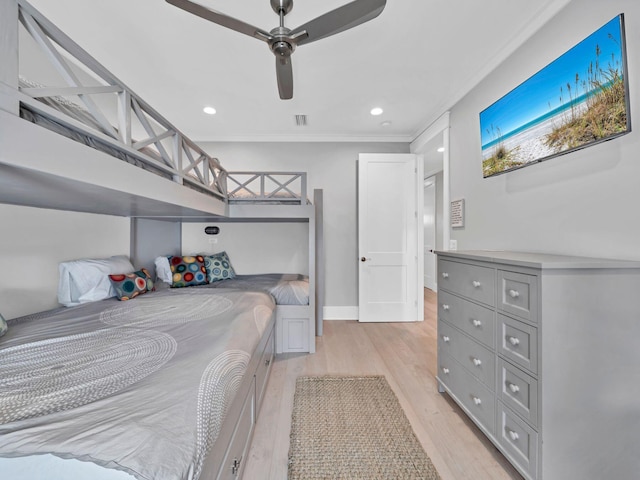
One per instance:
(406, 354)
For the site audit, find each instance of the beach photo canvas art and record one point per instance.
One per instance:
(578, 100)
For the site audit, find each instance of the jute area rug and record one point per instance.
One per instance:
(353, 428)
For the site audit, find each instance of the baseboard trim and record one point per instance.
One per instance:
(340, 313)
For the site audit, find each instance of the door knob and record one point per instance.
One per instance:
(363, 259)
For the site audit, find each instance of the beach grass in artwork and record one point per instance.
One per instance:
(579, 99)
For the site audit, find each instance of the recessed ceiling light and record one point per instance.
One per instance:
(386, 123)
(209, 110)
(441, 149)
(376, 111)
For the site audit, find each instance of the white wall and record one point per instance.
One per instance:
(34, 241)
(332, 167)
(253, 247)
(583, 203)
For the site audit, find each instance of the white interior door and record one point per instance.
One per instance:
(429, 220)
(388, 238)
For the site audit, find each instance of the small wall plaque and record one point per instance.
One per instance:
(457, 213)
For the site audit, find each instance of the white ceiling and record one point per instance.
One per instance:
(415, 61)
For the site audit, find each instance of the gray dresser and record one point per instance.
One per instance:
(542, 352)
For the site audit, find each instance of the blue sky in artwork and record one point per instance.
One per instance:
(541, 93)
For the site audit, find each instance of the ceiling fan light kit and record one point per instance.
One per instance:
(283, 41)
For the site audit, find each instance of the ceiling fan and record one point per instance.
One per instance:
(283, 41)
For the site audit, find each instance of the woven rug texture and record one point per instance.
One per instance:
(353, 428)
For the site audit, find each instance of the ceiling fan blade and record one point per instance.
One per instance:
(341, 19)
(284, 72)
(221, 19)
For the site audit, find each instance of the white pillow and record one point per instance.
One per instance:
(163, 270)
(87, 280)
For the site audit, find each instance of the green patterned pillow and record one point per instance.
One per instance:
(188, 271)
(3, 325)
(218, 267)
(130, 285)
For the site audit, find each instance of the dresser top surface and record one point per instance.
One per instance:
(539, 260)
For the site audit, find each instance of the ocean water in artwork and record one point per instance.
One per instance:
(578, 99)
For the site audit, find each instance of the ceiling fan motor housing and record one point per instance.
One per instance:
(282, 6)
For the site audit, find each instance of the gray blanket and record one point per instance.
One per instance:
(141, 386)
(286, 288)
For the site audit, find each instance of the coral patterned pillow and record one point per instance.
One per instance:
(130, 285)
(188, 271)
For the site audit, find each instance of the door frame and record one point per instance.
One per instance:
(434, 192)
(439, 127)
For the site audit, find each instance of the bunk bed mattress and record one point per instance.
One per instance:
(286, 288)
(140, 386)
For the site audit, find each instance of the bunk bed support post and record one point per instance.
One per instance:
(9, 55)
(319, 259)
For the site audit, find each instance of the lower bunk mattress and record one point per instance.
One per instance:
(141, 387)
(285, 288)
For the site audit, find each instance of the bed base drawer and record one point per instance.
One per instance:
(264, 367)
(235, 458)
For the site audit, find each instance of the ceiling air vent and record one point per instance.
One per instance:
(301, 120)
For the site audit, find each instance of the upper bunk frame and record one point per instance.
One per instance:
(160, 146)
(84, 178)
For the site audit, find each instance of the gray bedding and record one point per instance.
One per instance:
(140, 386)
(286, 289)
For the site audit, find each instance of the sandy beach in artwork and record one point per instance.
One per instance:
(529, 145)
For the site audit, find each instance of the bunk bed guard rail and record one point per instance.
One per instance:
(159, 145)
(278, 187)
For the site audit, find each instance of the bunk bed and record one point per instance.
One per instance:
(66, 148)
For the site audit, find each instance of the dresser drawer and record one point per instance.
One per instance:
(472, 395)
(478, 360)
(471, 281)
(518, 439)
(518, 390)
(518, 342)
(447, 369)
(471, 318)
(518, 294)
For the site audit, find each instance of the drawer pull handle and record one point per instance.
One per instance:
(477, 362)
(514, 388)
(477, 400)
(476, 284)
(514, 293)
(514, 435)
(445, 339)
(515, 341)
(476, 323)
(445, 306)
(235, 466)
(445, 370)
(445, 275)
